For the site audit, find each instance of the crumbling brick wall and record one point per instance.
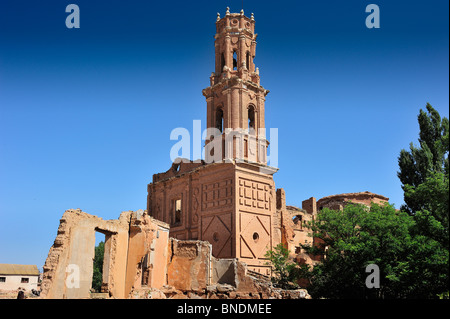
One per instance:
(193, 273)
(141, 261)
(69, 265)
(337, 202)
(189, 264)
(147, 252)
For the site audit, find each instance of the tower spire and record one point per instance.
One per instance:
(235, 99)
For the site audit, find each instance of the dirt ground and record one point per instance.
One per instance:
(12, 294)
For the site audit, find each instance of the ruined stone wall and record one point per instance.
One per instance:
(310, 206)
(141, 261)
(337, 202)
(68, 269)
(147, 252)
(193, 273)
(189, 265)
(293, 223)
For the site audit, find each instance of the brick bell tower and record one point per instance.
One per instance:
(229, 199)
(235, 99)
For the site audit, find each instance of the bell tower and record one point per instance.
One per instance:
(228, 199)
(235, 99)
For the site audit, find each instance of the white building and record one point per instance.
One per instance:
(13, 277)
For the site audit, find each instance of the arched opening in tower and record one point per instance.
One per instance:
(251, 118)
(222, 62)
(219, 119)
(248, 60)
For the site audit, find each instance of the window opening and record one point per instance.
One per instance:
(251, 118)
(234, 60)
(177, 211)
(219, 120)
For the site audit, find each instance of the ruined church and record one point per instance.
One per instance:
(208, 223)
(230, 202)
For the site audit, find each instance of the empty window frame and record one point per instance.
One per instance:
(235, 62)
(219, 120)
(176, 211)
(251, 118)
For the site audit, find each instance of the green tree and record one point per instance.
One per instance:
(411, 265)
(286, 271)
(433, 195)
(424, 174)
(427, 163)
(410, 247)
(97, 276)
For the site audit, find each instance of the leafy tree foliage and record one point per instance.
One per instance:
(286, 271)
(427, 165)
(424, 173)
(410, 246)
(411, 265)
(98, 267)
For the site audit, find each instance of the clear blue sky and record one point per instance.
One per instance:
(86, 114)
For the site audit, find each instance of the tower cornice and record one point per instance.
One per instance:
(233, 82)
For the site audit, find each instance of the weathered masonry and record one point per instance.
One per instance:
(141, 261)
(134, 245)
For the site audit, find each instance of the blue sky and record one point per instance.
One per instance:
(86, 114)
